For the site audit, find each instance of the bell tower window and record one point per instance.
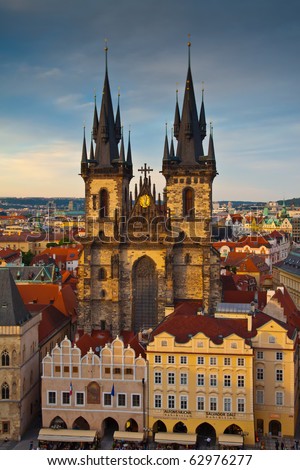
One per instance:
(103, 203)
(188, 202)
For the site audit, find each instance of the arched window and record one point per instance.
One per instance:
(5, 391)
(145, 293)
(102, 294)
(102, 274)
(103, 203)
(188, 202)
(5, 358)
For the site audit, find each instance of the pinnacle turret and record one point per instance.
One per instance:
(84, 151)
(202, 119)
(95, 121)
(166, 147)
(129, 156)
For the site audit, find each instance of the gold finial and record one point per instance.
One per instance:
(118, 91)
(106, 49)
(189, 45)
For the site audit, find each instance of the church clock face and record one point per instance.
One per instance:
(145, 200)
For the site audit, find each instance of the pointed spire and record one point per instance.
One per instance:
(92, 154)
(106, 146)
(95, 121)
(189, 147)
(129, 156)
(211, 148)
(176, 118)
(118, 129)
(84, 152)
(172, 151)
(166, 147)
(202, 120)
(122, 149)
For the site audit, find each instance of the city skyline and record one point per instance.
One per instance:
(53, 62)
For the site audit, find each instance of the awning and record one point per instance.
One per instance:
(129, 436)
(66, 435)
(234, 440)
(176, 438)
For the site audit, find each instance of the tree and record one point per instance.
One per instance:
(27, 257)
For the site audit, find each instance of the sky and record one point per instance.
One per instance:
(245, 55)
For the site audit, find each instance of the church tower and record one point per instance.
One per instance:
(106, 174)
(189, 176)
(144, 254)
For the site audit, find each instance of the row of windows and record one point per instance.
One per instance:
(200, 403)
(213, 378)
(200, 379)
(106, 370)
(260, 398)
(260, 374)
(80, 399)
(278, 355)
(213, 361)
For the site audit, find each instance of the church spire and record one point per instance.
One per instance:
(84, 152)
(122, 149)
(202, 119)
(95, 120)
(92, 154)
(172, 151)
(106, 144)
(211, 148)
(189, 148)
(166, 147)
(129, 156)
(118, 122)
(176, 118)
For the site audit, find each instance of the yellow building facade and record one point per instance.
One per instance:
(234, 373)
(200, 387)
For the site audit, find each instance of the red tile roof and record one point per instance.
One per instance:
(290, 310)
(64, 299)
(184, 323)
(99, 338)
(52, 321)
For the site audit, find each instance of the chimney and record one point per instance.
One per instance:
(249, 322)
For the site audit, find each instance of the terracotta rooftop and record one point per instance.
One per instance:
(184, 323)
(63, 298)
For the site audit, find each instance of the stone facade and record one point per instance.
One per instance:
(143, 255)
(19, 378)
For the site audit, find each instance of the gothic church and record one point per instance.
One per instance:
(143, 253)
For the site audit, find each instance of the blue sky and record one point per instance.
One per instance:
(52, 62)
